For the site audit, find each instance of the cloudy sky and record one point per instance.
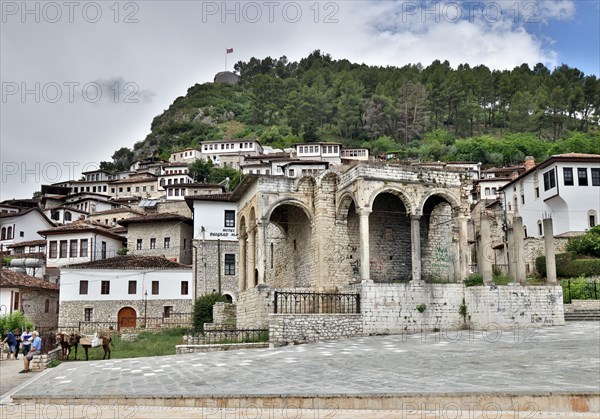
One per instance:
(82, 79)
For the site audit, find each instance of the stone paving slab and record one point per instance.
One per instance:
(532, 361)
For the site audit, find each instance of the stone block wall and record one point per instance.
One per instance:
(511, 305)
(389, 240)
(42, 307)
(535, 247)
(207, 267)
(253, 307)
(577, 305)
(72, 312)
(224, 314)
(188, 349)
(179, 233)
(394, 308)
(437, 252)
(40, 362)
(292, 328)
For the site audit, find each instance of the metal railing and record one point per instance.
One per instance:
(578, 291)
(287, 302)
(171, 320)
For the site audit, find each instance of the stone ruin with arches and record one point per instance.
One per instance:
(394, 237)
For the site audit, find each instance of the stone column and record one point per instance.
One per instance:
(519, 250)
(242, 265)
(485, 248)
(251, 261)
(463, 248)
(510, 253)
(550, 251)
(261, 255)
(364, 244)
(415, 246)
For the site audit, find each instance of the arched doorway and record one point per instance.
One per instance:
(126, 317)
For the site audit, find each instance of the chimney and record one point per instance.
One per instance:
(529, 163)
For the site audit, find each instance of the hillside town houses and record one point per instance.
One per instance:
(132, 247)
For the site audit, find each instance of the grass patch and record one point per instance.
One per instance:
(231, 128)
(147, 344)
(54, 363)
(502, 279)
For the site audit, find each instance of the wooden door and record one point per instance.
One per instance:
(127, 317)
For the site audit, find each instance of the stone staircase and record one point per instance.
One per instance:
(583, 315)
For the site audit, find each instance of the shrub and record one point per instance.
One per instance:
(578, 289)
(421, 308)
(203, 309)
(473, 280)
(570, 265)
(588, 244)
(585, 267)
(12, 321)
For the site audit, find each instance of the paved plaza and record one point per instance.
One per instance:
(451, 365)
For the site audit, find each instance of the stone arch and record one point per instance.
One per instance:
(326, 175)
(389, 238)
(289, 235)
(242, 226)
(346, 201)
(448, 196)
(392, 191)
(304, 184)
(251, 218)
(289, 201)
(439, 236)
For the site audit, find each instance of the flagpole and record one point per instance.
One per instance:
(225, 59)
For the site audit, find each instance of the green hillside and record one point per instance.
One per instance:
(433, 113)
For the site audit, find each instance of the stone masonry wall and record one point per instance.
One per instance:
(536, 247)
(437, 244)
(507, 306)
(394, 308)
(289, 328)
(389, 240)
(224, 314)
(33, 303)
(252, 308)
(72, 312)
(177, 233)
(207, 279)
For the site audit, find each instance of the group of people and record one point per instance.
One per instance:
(28, 342)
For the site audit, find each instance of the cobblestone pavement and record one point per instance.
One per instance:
(529, 361)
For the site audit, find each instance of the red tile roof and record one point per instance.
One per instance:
(29, 243)
(19, 280)
(131, 262)
(154, 218)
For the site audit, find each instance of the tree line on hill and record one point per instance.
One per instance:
(434, 112)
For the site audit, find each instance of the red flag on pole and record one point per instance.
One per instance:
(229, 50)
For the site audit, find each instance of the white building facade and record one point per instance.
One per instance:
(565, 187)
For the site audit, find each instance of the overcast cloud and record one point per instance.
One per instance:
(82, 79)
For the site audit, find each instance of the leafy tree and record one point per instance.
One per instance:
(588, 244)
(200, 170)
(14, 320)
(203, 309)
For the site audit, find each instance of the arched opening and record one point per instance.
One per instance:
(389, 239)
(439, 240)
(126, 318)
(289, 235)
